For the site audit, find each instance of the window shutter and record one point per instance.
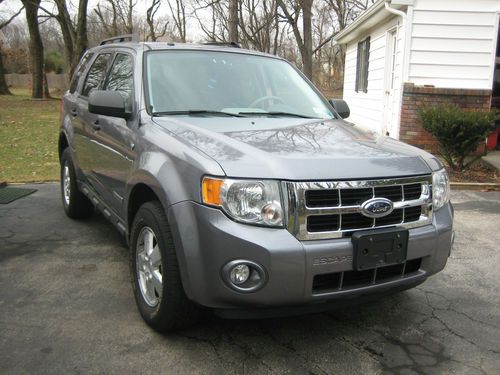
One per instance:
(365, 65)
(358, 66)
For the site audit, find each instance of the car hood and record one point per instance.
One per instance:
(298, 149)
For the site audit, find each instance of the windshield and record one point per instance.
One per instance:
(222, 83)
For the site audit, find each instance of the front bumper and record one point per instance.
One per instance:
(206, 239)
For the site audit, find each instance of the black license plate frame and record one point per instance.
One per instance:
(379, 247)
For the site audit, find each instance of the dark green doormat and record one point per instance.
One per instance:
(10, 194)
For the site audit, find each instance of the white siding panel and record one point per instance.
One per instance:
(459, 5)
(452, 17)
(449, 71)
(453, 31)
(463, 83)
(448, 58)
(453, 43)
(367, 109)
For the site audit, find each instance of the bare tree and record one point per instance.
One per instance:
(4, 89)
(293, 11)
(35, 47)
(157, 28)
(116, 16)
(233, 20)
(217, 28)
(259, 25)
(73, 30)
(178, 13)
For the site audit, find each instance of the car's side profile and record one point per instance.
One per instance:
(239, 187)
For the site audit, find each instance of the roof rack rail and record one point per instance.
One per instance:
(223, 44)
(120, 39)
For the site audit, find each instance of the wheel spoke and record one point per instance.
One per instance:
(157, 282)
(148, 241)
(155, 257)
(148, 264)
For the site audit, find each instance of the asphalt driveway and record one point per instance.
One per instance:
(66, 306)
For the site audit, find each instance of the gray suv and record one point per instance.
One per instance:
(240, 188)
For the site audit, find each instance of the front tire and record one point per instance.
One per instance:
(156, 280)
(76, 205)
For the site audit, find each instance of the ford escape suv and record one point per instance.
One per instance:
(240, 188)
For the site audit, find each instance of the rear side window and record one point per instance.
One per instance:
(121, 75)
(96, 73)
(79, 71)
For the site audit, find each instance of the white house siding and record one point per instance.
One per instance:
(453, 43)
(367, 109)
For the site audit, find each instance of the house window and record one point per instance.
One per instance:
(362, 65)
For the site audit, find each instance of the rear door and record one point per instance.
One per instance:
(113, 139)
(71, 105)
(87, 150)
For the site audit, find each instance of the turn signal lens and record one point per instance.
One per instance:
(211, 188)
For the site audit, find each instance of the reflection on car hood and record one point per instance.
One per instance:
(298, 149)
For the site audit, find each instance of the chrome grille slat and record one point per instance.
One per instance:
(357, 191)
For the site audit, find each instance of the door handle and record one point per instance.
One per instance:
(95, 125)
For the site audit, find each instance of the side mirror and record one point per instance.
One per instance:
(341, 107)
(108, 103)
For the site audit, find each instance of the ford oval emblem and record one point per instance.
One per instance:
(377, 207)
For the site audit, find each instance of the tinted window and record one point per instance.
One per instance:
(97, 73)
(79, 71)
(121, 75)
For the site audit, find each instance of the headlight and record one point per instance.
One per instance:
(247, 201)
(440, 189)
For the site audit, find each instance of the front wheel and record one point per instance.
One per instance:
(156, 280)
(76, 205)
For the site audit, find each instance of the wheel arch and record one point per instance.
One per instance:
(62, 143)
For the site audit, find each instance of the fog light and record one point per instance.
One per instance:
(239, 274)
(244, 275)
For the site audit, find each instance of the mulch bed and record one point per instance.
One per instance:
(478, 172)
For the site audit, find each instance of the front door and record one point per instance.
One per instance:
(389, 126)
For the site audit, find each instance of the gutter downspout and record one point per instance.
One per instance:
(405, 51)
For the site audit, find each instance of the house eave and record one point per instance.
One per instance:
(369, 19)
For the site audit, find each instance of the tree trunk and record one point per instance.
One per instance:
(4, 88)
(36, 47)
(82, 42)
(306, 51)
(233, 21)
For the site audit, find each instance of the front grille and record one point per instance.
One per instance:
(321, 210)
(332, 282)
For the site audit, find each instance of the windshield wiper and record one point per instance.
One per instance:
(196, 112)
(275, 113)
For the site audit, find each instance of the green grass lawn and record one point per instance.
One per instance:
(28, 133)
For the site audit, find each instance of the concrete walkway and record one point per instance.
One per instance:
(493, 159)
(66, 307)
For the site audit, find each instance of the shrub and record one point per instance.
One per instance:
(458, 132)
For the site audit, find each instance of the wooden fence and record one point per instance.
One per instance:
(56, 81)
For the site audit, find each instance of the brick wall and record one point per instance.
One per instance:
(414, 97)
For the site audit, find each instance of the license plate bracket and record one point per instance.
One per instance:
(379, 247)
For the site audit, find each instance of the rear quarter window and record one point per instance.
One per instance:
(79, 71)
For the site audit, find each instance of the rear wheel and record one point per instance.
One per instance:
(155, 272)
(76, 205)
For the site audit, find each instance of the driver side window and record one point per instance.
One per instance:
(96, 73)
(121, 76)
